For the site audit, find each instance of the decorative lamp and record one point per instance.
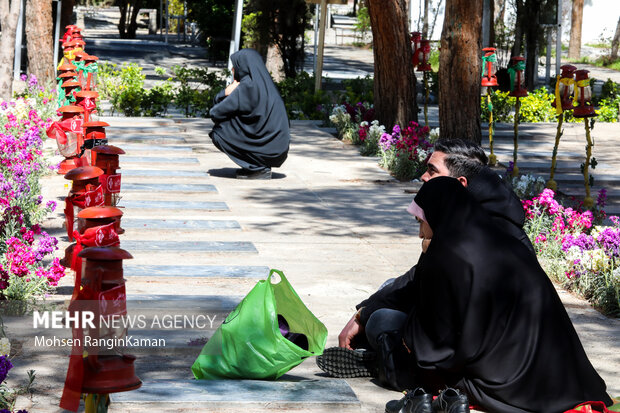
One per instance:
(489, 62)
(583, 95)
(69, 137)
(424, 54)
(517, 80)
(91, 67)
(86, 191)
(565, 89)
(106, 157)
(87, 100)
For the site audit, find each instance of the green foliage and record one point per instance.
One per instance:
(215, 19)
(197, 89)
(360, 89)
(362, 26)
(250, 28)
(502, 107)
(536, 107)
(191, 89)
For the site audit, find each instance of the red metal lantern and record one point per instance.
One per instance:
(85, 192)
(565, 88)
(94, 135)
(67, 76)
(424, 54)
(87, 100)
(489, 67)
(106, 369)
(517, 80)
(96, 227)
(106, 157)
(416, 37)
(91, 67)
(70, 88)
(583, 95)
(69, 137)
(66, 67)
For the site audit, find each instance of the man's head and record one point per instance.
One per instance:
(457, 158)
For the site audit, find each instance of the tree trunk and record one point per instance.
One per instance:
(532, 28)
(574, 46)
(39, 38)
(394, 86)
(492, 24)
(425, 20)
(133, 24)
(615, 42)
(9, 13)
(518, 44)
(459, 70)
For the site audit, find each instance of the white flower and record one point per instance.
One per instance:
(5, 346)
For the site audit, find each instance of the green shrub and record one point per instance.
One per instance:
(502, 107)
(360, 89)
(536, 107)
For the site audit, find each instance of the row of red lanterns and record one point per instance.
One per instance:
(573, 90)
(94, 222)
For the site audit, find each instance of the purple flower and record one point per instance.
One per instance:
(5, 366)
(23, 77)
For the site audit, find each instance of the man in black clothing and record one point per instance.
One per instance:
(459, 159)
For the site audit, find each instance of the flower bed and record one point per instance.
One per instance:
(403, 152)
(26, 271)
(575, 250)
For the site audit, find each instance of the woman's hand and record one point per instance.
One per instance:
(231, 87)
(349, 331)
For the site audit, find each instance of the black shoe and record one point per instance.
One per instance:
(342, 362)
(247, 174)
(451, 401)
(416, 401)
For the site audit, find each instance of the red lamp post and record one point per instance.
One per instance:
(106, 157)
(583, 95)
(86, 191)
(91, 67)
(94, 135)
(70, 87)
(564, 91)
(489, 80)
(518, 90)
(489, 68)
(86, 99)
(96, 227)
(69, 137)
(424, 54)
(105, 370)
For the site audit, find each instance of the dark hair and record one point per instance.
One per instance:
(463, 158)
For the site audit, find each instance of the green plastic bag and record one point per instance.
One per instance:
(249, 345)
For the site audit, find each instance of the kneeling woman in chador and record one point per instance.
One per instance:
(481, 316)
(251, 125)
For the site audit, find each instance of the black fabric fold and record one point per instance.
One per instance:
(486, 317)
(251, 125)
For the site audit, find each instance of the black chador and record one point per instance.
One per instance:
(251, 125)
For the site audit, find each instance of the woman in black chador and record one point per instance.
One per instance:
(251, 125)
(483, 317)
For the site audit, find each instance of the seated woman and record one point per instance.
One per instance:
(480, 316)
(251, 125)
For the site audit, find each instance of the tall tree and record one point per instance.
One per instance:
(9, 13)
(517, 47)
(459, 70)
(615, 42)
(394, 87)
(39, 38)
(574, 45)
(533, 9)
